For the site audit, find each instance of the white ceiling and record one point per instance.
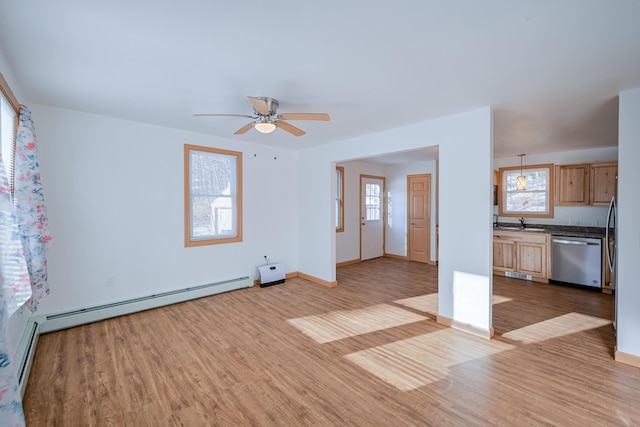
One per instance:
(551, 70)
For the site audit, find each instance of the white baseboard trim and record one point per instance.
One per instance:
(481, 332)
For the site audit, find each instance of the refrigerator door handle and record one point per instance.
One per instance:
(612, 205)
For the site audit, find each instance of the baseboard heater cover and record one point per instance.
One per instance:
(68, 319)
(271, 274)
(518, 275)
(26, 352)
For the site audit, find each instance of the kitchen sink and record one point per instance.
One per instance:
(520, 229)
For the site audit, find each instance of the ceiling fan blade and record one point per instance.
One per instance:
(305, 116)
(290, 128)
(228, 115)
(244, 129)
(260, 105)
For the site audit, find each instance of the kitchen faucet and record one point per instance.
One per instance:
(521, 222)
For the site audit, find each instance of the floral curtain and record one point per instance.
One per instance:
(30, 209)
(15, 290)
(24, 239)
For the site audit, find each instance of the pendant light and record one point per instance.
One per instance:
(521, 184)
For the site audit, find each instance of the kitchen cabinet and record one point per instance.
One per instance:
(604, 182)
(586, 184)
(572, 185)
(522, 252)
(504, 253)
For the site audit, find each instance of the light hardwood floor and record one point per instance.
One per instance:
(367, 353)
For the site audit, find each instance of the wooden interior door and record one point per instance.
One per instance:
(371, 217)
(419, 217)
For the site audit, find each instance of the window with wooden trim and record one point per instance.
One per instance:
(213, 196)
(536, 201)
(339, 199)
(9, 114)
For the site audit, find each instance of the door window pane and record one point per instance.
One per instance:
(373, 202)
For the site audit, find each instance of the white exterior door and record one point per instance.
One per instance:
(371, 217)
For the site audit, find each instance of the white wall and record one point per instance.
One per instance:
(7, 73)
(348, 241)
(465, 278)
(628, 288)
(114, 191)
(396, 228)
(465, 235)
(591, 216)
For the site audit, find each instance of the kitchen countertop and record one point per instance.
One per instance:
(554, 230)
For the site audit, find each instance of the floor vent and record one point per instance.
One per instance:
(517, 275)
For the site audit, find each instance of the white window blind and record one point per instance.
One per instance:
(8, 120)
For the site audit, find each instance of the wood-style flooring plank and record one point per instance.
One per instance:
(236, 360)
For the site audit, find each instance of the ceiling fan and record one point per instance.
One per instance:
(266, 117)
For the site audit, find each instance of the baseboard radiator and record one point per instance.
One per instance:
(68, 319)
(25, 352)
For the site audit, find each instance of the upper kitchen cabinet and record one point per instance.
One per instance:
(586, 184)
(572, 185)
(604, 181)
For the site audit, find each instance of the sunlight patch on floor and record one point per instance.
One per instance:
(421, 360)
(557, 327)
(341, 324)
(429, 303)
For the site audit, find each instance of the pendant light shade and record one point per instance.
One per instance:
(521, 184)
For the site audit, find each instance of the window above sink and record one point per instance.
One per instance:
(536, 201)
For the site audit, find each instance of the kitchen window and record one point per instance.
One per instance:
(536, 201)
(213, 196)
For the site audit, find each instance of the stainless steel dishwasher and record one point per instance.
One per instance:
(576, 260)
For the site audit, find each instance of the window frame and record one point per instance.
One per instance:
(11, 99)
(237, 215)
(527, 214)
(339, 199)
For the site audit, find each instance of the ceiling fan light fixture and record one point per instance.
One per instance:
(265, 127)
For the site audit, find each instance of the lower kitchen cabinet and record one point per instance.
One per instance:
(522, 252)
(504, 254)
